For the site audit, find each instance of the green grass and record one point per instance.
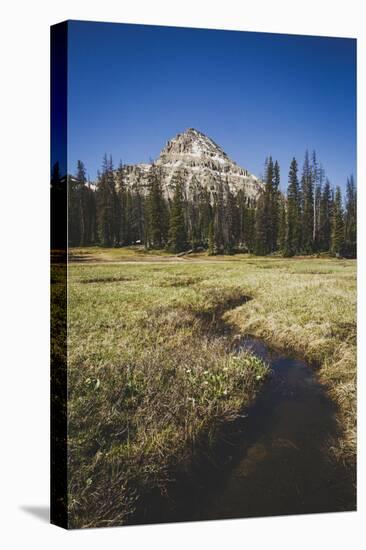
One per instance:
(152, 374)
(128, 253)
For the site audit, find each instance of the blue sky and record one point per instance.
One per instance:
(133, 87)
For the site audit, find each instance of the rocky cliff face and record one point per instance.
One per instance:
(199, 163)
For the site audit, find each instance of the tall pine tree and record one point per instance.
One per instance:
(325, 226)
(261, 226)
(218, 219)
(337, 235)
(106, 200)
(282, 225)
(276, 206)
(156, 211)
(293, 233)
(307, 205)
(177, 231)
(350, 220)
(269, 220)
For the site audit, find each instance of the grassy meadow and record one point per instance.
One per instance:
(152, 374)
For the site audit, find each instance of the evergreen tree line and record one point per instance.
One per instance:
(314, 216)
(309, 218)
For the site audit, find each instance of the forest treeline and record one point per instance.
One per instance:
(311, 217)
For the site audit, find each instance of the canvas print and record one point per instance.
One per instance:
(203, 274)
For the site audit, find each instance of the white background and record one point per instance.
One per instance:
(24, 294)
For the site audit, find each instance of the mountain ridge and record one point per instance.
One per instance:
(197, 161)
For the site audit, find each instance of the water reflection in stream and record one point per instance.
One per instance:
(272, 460)
(281, 466)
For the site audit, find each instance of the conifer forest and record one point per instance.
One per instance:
(309, 217)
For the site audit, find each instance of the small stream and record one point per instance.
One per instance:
(281, 466)
(273, 459)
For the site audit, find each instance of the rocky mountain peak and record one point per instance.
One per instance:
(199, 163)
(193, 143)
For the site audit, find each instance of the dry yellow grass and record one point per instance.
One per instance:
(150, 371)
(309, 306)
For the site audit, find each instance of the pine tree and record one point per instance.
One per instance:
(191, 209)
(81, 212)
(91, 215)
(177, 231)
(121, 205)
(325, 218)
(106, 204)
(268, 215)
(261, 226)
(205, 215)
(246, 222)
(337, 235)
(242, 204)
(265, 222)
(309, 219)
(318, 183)
(293, 234)
(128, 218)
(156, 211)
(350, 230)
(231, 222)
(73, 211)
(218, 219)
(315, 172)
(307, 206)
(82, 203)
(317, 217)
(250, 228)
(276, 206)
(137, 218)
(282, 225)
